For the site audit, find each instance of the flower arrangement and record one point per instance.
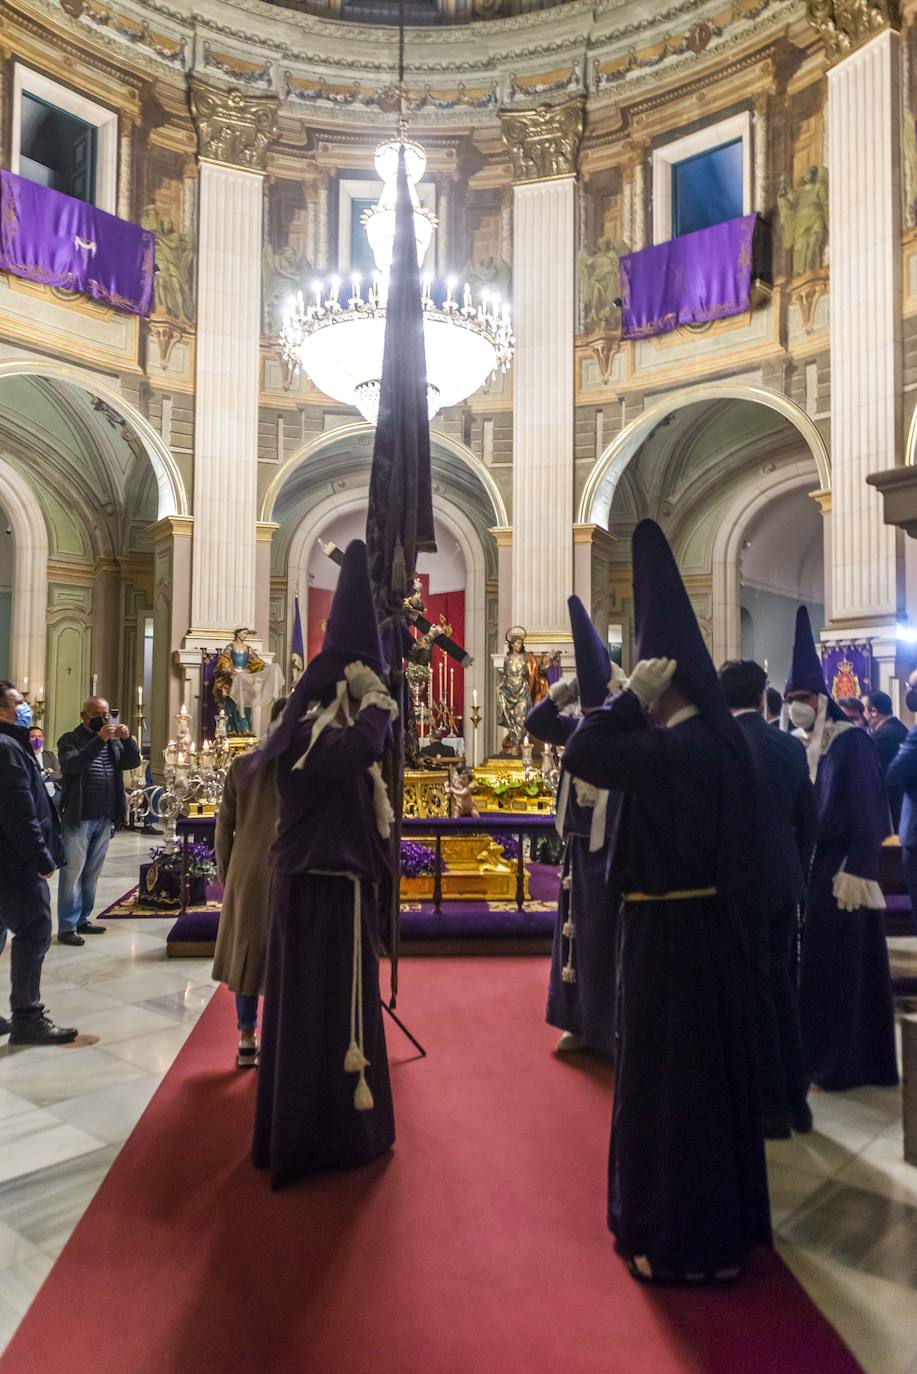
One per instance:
(417, 860)
(510, 846)
(201, 860)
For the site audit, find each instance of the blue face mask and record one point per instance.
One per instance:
(24, 714)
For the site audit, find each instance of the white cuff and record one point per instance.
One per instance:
(380, 699)
(851, 893)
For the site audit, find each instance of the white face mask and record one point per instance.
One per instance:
(802, 715)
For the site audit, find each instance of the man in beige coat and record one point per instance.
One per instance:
(246, 824)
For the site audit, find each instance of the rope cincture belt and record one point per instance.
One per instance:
(686, 894)
(355, 1060)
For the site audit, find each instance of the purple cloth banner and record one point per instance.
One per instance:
(689, 280)
(59, 241)
(849, 668)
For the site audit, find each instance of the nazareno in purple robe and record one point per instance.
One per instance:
(305, 1118)
(589, 894)
(687, 1182)
(845, 997)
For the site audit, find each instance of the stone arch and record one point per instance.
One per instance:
(172, 497)
(728, 545)
(598, 494)
(30, 577)
(456, 522)
(342, 434)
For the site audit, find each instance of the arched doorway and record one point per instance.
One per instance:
(707, 468)
(82, 478)
(326, 486)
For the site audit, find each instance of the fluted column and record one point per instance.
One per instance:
(234, 131)
(544, 145)
(865, 264)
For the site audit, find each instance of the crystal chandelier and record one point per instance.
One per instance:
(339, 344)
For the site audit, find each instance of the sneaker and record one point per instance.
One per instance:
(247, 1057)
(568, 1043)
(70, 937)
(41, 1031)
(87, 928)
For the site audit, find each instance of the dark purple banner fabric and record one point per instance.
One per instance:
(849, 668)
(53, 239)
(689, 280)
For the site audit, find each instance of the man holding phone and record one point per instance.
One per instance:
(93, 759)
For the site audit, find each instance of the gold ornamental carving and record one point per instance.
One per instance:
(806, 292)
(232, 126)
(844, 24)
(544, 143)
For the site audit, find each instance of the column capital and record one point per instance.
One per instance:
(171, 526)
(594, 535)
(822, 499)
(233, 127)
(544, 143)
(264, 531)
(503, 535)
(844, 25)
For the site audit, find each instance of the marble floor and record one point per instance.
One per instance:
(844, 1202)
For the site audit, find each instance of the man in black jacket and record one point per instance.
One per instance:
(93, 759)
(30, 850)
(787, 837)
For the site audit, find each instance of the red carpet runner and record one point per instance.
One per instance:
(479, 1247)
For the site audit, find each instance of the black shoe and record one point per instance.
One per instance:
(41, 1031)
(70, 937)
(801, 1118)
(150, 830)
(5, 1026)
(776, 1127)
(87, 928)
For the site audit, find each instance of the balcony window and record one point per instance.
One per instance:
(707, 188)
(56, 149)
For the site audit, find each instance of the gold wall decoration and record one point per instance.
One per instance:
(232, 126)
(805, 293)
(844, 24)
(544, 143)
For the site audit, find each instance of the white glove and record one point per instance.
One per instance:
(618, 680)
(650, 678)
(564, 691)
(361, 680)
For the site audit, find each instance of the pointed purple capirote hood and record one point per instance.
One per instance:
(806, 672)
(352, 635)
(593, 664)
(667, 626)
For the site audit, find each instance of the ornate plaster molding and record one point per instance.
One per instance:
(233, 126)
(844, 24)
(544, 143)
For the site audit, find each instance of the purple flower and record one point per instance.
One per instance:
(510, 846)
(417, 859)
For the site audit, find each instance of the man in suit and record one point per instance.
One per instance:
(773, 707)
(886, 729)
(787, 835)
(901, 781)
(93, 759)
(30, 850)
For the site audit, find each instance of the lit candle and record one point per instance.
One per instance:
(25, 686)
(95, 683)
(140, 696)
(450, 292)
(317, 288)
(41, 694)
(466, 297)
(335, 287)
(474, 698)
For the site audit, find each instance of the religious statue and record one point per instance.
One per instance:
(909, 168)
(236, 689)
(172, 285)
(521, 683)
(598, 276)
(460, 793)
(804, 219)
(283, 272)
(489, 274)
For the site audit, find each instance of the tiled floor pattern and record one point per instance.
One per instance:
(844, 1202)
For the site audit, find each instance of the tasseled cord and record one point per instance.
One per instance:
(355, 1060)
(568, 929)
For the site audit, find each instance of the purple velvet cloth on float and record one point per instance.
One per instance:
(53, 239)
(692, 279)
